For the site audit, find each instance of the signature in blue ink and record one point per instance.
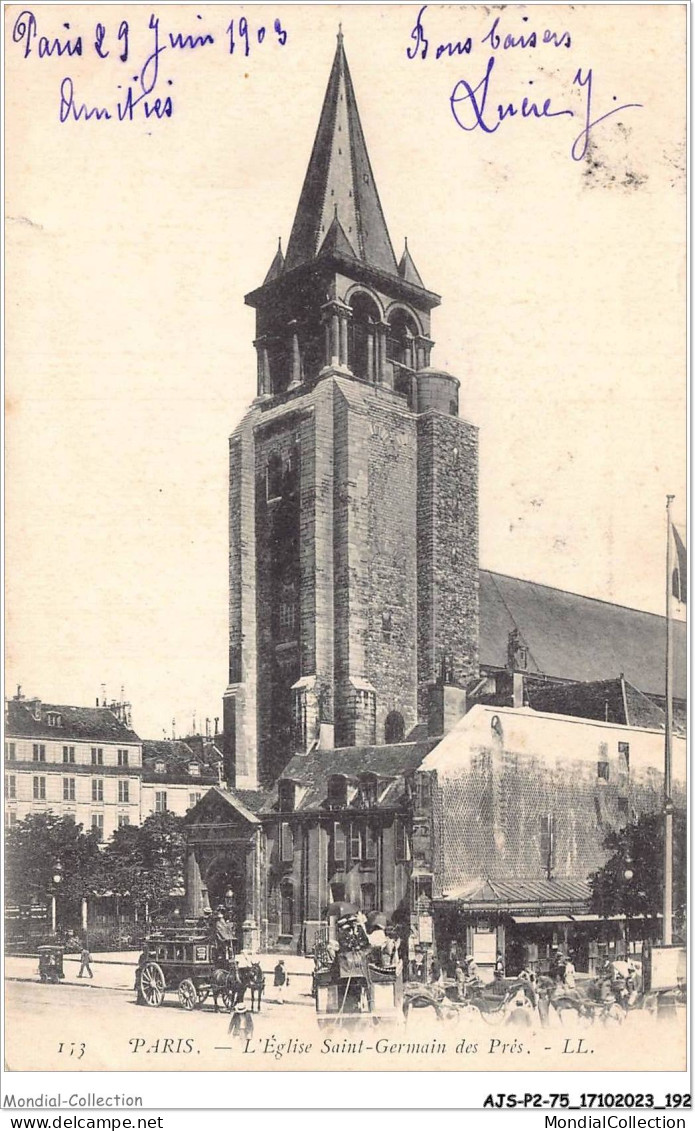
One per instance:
(469, 106)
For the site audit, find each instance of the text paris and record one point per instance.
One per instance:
(474, 108)
(127, 107)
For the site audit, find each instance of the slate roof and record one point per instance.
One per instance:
(312, 771)
(83, 724)
(521, 892)
(177, 756)
(577, 638)
(339, 181)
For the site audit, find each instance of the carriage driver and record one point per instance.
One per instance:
(221, 932)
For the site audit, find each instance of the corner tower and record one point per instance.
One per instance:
(353, 484)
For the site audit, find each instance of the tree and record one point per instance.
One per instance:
(639, 849)
(33, 848)
(145, 862)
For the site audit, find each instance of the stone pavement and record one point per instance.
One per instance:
(116, 971)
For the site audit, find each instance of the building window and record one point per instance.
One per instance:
(368, 897)
(602, 771)
(423, 791)
(160, 767)
(11, 787)
(39, 789)
(548, 844)
(193, 799)
(286, 843)
(355, 842)
(123, 791)
(122, 757)
(10, 818)
(286, 792)
(160, 801)
(11, 751)
(39, 752)
(123, 820)
(273, 478)
(97, 789)
(339, 844)
(68, 789)
(68, 754)
(394, 727)
(98, 825)
(53, 719)
(97, 756)
(402, 843)
(369, 844)
(337, 791)
(194, 769)
(337, 893)
(624, 755)
(286, 909)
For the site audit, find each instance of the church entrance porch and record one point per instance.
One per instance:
(225, 865)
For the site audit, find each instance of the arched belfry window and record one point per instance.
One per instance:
(362, 336)
(400, 345)
(394, 727)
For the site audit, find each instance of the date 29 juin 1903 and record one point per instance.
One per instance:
(242, 37)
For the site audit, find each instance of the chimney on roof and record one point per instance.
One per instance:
(19, 692)
(447, 701)
(35, 707)
(217, 725)
(207, 727)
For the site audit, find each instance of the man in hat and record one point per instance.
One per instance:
(240, 1023)
(281, 980)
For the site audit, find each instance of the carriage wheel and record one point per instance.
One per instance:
(152, 983)
(228, 996)
(188, 994)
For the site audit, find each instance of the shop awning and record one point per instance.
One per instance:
(598, 918)
(526, 919)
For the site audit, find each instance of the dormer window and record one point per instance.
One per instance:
(54, 719)
(159, 766)
(337, 791)
(369, 790)
(194, 769)
(286, 795)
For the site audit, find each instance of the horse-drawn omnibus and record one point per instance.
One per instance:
(185, 960)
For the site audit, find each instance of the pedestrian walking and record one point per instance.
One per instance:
(240, 1023)
(85, 962)
(499, 967)
(281, 981)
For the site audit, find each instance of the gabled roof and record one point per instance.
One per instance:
(312, 771)
(82, 724)
(235, 802)
(576, 638)
(339, 177)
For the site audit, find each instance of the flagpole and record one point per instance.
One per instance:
(668, 804)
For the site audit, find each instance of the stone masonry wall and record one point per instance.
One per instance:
(447, 549)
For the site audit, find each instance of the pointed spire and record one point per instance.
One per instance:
(339, 181)
(407, 269)
(277, 266)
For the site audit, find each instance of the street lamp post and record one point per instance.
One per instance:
(57, 879)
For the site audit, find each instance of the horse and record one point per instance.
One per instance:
(255, 982)
(227, 984)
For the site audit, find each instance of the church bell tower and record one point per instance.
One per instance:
(353, 567)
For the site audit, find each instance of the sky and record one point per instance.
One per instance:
(130, 246)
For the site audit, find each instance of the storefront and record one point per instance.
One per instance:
(525, 920)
